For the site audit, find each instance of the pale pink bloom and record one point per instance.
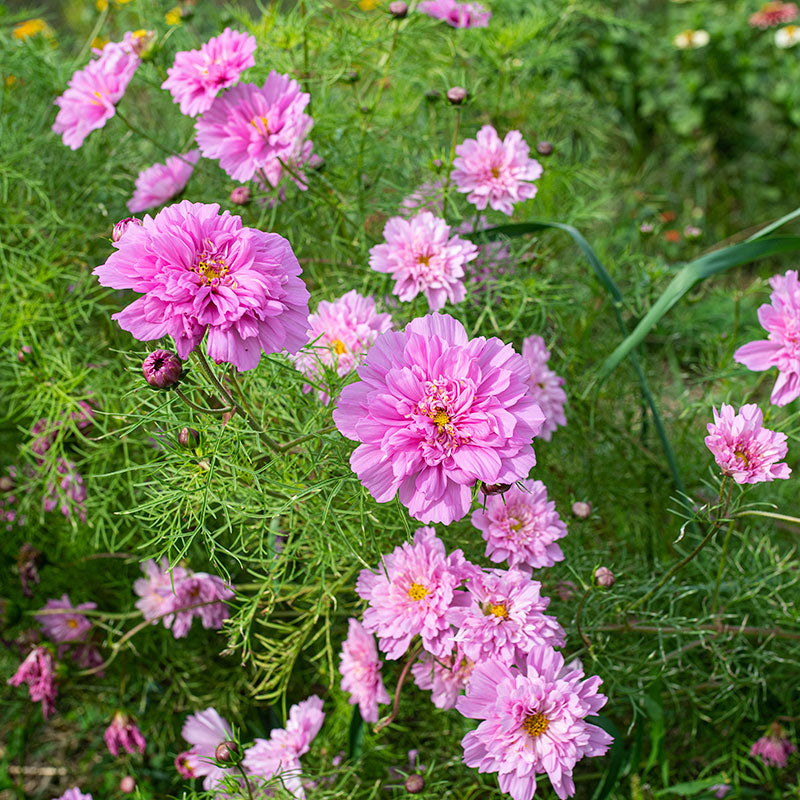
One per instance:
(201, 271)
(743, 448)
(197, 588)
(494, 172)
(435, 412)
(157, 184)
(545, 385)
(533, 722)
(339, 335)
(720, 789)
(38, 671)
(781, 319)
(157, 590)
(205, 731)
(361, 671)
(773, 13)
(252, 129)
(74, 794)
(426, 197)
(61, 627)
(446, 677)
(774, 749)
(521, 526)
(198, 75)
(123, 734)
(459, 15)
(423, 257)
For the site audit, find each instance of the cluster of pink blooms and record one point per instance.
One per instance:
(459, 15)
(38, 671)
(774, 749)
(161, 182)
(45, 431)
(361, 671)
(123, 734)
(176, 596)
(772, 14)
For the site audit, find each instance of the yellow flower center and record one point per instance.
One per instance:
(535, 725)
(263, 127)
(338, 347)
(440, 418)
(791, 30)
(418, 592)
(498, 610)
(71, 623)
(426, 260)
(495, 172)
(742, 456)
(211, 269)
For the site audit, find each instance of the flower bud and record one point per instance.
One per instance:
(142, 42)
(457, 95)
(581, 510)
(646, 228)
(351, 76)
(240, 196)
(25, 350)
(495, 488)
(415, 784)
(604, 577)
(162, 369)
(122, 226)
(692, 233)
(6, 483)
(228, 753)
(188, 437)
(127, 785)
(544, 148)
(398, 9)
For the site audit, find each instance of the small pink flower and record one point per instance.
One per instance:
(494, 172)
(773, 13)
(720, 789)
(200, 588)
(61, 627)
(38, 671)
(182, 764)
(157, 184)
(423, 257)
(446, 677)
(197, 76)
(545, 385)
(205, 731)
(157, 590)
(774, 748)
(361, 671)
(123, 734)
(459, 15)
(68, 493)
(74, 794)
(743, 448)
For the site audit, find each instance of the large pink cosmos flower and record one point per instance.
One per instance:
(205, 731)
(203, 271)
(781, 319)
(252, 129)
(774, 749)
(545, 385)
(459, 15)
(773, 13)
(533, 722)
(339, 335)
(521, 526)
(422, 256)
(90, 101)
(743, 448)
(39, 672)
(198, 75)
(64, 627)
(411, 594)
(157, 184)
(361, 671)
(435, 412)
(495, 172)
(446, 677)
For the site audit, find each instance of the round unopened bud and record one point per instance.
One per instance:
(240, 196)
(581, 510)
(142, 42)
(692, 232)
(162, 369)
(25, 350)
(188, 437)
(122, 226)
(127, 785)
(398, 9)
(495, 488)
(415, 784)
(432, 95)
(227, 753)
(544, 148)
(457, 95)
(6, 483)
(604, 577)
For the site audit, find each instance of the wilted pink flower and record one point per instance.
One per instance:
(743, 448)
(533, 722)
(521, 526)
(781, 349)
(423, 257)
(74, 794)
(411, 594)
(459, 15)
(203, 271)
(38, 671)
(773, 13)
(774, 748)
(361, 671)
(446, 677)
(545, 385)
(205, 730)
(199, 587)
(494, 172)
(339, 335)
(252, 129)
(157, 184)
(68, 493)
(123, 734)
(198, 75)
(435, 412)
(64, 627)
(240, 195)
(123, 225)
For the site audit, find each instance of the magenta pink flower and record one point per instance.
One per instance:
(435, 412)
(781, 319)
(496, 172)
(74, 794)
(339, 335)
(743, 448)
(446, 677)
(533, 722)
(157, 184)
(205, 731)
(545, 385)
(521, 526)
(182, 764)
(411, 594)
(775, 748)
(252, 129)
(422, 256)
(157, 590)
(361, 671)
(198, 75)
(773, 13)
(123, 734)
(193, 590)
(63, 627)
(203, 271)
(459, 15)
(39, 673)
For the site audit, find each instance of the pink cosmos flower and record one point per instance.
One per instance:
(182, 764)
(38, 671)
(157, 184)
(521, 526)
(411, 594)
(495, 172)
(446, 677)
(123, 734)
(252, 129)
(422, 256)
(502, 618)
(198, 75)
(157, 590)
(545, 385)
(203, 271)
(68, 493)
(90, 101)
(426, 197)
(459, 15)
(533, 722)
(773, 13)
(743, 448)
(205, 731)
(199, 587)
(720, 789)
(74, 794)
(61, 627)
(774, 749)
(361, 671)
(435, 412)
(339, 335)
(781, 319)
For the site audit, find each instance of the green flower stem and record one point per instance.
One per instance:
(193, 405)
(450, 162)
(400, 681)
(721, 567)
(585, 639)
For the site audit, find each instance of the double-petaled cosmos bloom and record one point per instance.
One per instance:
(533, 722)
(161, 182)
(38, 672)
(205, 731)
(361, 671)
(445, 677)
(774, 749)
(422, 257)
(743, 448)
(545, 385)
(198, 75)
(254, 131)
(495, 172)
(773, 13)
(691, 39)
(521, 526)
(435, 412)
(62, 622)
(787, 37)
(201, 271)
(123, 734)
(459, 15)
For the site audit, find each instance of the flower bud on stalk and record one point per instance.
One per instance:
(188, 437)
(457, 95)
(162, 369)
(122, 226)
(228, 753)
(240, 196)
(544, 148)
(127, 785)
(414, 784)
(604, 577)
(582, 510)
(398, 9)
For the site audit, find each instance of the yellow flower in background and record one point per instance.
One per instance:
(101, 5)
(99, 42)
(24, 30)
(173, 16)
(691, 40)
(368, 5)
(10, 80)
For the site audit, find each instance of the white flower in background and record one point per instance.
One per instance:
(788, 36)
(691, 40)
